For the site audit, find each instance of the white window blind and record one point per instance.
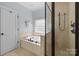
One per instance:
(40, 26)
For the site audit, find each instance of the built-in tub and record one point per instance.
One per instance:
(33, 39)
(34, 44)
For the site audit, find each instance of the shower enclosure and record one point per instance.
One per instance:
(64, 28)
(61, 40)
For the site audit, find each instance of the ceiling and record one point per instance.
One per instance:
(32, 5)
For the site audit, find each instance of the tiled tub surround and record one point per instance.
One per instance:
(33, 43)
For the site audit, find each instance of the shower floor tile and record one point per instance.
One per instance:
(19, 52)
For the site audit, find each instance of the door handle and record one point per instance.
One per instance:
(2, 33)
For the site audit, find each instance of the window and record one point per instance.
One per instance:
(40, 26)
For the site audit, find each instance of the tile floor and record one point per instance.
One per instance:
(19, 52)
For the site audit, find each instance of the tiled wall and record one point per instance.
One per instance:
(64, 38)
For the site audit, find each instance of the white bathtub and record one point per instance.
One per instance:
(33, 39)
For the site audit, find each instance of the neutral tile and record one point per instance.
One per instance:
(19, 52)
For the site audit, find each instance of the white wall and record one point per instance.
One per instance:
(23, 17)
(40, 14)
(24, 14)
(36, 15)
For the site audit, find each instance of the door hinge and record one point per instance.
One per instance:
(17, 16)
(17, 29)
(10, 11)
(17, 41)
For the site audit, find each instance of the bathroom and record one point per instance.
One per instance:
(37, 29)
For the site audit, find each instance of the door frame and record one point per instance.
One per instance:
(76, 31)
(52, 28)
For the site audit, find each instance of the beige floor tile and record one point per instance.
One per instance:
(19, 52)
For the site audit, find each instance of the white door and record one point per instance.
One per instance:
(8, 30)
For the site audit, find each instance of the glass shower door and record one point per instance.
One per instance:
(48, 15)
